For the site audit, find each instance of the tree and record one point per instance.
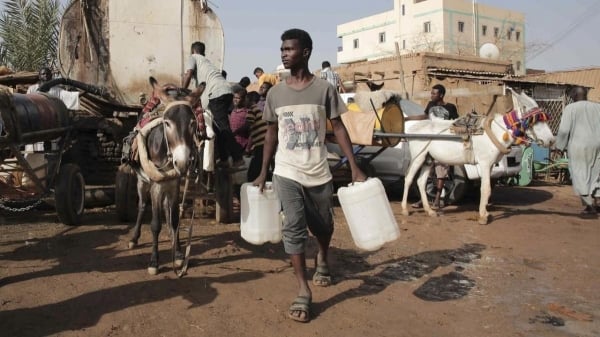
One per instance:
(427, 41)
(29, 33)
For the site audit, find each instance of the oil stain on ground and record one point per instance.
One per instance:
(453, 285)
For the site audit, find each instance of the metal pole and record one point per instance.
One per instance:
(401, 70)
(475, 29)
(417, 136)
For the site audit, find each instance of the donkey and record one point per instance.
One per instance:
(166, 149)
(525, 122)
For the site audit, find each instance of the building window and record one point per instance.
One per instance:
(517, 35)
(461, 26)
(382, 37)
(496, 31)
(403, 44)
(403, 10)
(355, 42)
(518, 65)
(427, 27)
(484, 30)
(509, 34)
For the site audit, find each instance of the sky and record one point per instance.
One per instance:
(569, 29)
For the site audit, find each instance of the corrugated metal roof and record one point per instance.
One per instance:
(589, 77)
(486, 76)
(465, 72)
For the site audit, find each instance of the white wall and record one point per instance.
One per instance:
(444, 36)
(367, 31)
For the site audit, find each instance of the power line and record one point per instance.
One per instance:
(587, 14)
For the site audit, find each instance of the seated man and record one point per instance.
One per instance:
(69, 98)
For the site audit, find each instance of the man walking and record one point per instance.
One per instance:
(296, 111)
(579, 134)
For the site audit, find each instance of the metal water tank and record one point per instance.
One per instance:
(119, 44)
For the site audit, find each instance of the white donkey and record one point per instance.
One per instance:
(524, 123)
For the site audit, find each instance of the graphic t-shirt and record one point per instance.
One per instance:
(301, 116)
(446, 111)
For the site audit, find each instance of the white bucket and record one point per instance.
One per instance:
(39, 164)
(368, 213)
(260, 219)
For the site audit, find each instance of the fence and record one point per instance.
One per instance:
(554, 107)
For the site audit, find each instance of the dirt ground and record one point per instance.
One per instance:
(533, 271)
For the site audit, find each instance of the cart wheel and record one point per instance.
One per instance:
(70, 194)
(126, 198)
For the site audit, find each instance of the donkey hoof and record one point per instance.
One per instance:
(152, 270)
(405, 212)
(178, 263)
(432, 213)
(131, 245)
(483, 220)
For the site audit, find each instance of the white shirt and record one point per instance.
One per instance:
(69, 98)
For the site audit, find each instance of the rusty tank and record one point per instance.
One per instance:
(31, 118)
(118, 44)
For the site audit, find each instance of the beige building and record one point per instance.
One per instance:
(456, 27)
(414, 74)
(472, 83)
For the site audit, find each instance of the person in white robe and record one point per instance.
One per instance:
(579, 134)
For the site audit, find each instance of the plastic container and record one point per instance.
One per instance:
(368, 213)
(260, 218)
(39, 164)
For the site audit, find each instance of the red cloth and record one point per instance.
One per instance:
(199, 112)
(148, 108)
(237, 122)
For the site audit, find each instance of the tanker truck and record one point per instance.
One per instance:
(107, 50)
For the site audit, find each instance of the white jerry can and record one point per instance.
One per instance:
(368, 213)
(260, 214)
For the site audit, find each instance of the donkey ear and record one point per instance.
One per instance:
(153, 81)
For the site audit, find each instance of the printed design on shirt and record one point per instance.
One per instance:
(439, 112)
(300, 133)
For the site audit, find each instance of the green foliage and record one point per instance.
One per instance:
(29, 33)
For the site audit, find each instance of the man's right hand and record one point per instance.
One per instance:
(260, 182)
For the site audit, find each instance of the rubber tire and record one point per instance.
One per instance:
(126, 197)
(455, 187)
(69, 194)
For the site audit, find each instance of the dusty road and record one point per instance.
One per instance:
(533, 271)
